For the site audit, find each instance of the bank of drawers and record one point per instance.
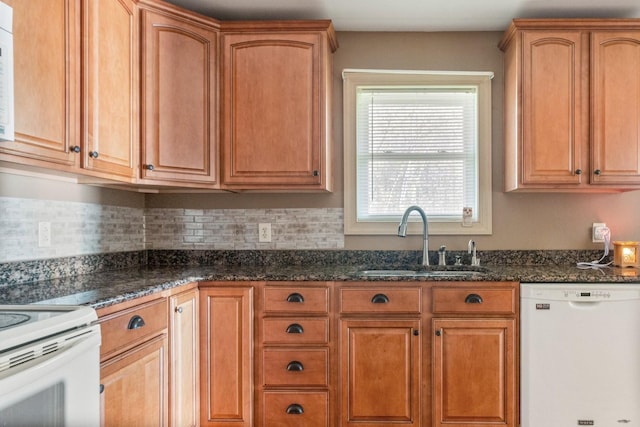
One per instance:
(295, 355)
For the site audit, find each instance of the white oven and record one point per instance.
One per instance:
(49, 366)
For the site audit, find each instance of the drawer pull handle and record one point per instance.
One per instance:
(380, 299)
(295, 328)
(295, 366)
(136, 322)
(473, 299)
(295, 297)
(295, 409)
(101, 388)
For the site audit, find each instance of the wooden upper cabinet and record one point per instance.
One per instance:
(179, 121)
(551, 102)
(615, 115)
(276, 85)
(110, 87)
(569, 122)
(46, 83)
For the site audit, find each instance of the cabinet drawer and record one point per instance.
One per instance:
(298, 299)
(125, 328)
(294, 330)
(474, 300)
(308, 367)
(380, 300)
(308, 409)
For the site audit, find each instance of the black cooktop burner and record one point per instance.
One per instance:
(12, 319)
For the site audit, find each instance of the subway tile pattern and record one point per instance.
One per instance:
(76, 229)
(86, 228)
(237, 229)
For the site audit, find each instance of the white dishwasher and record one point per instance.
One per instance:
(579, 354)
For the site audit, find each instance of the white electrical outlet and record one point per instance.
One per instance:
(44, 234)
(264, 232)
(598, 232)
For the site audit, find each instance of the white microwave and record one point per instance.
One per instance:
(6, 73)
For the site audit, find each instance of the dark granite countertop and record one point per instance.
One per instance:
(101, 289)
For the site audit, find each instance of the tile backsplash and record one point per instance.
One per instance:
(89, 228)
(237, 229)
(76, 229)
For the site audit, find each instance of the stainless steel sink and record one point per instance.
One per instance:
(472, 271)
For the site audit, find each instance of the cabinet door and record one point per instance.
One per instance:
(135, 386)
(46, 83)
(226, 357)
(273, 105)
(179, 125)
(183, 360)
(616, 107)
(380, 372)
(110, 86)
(552, 101)
(474, 372)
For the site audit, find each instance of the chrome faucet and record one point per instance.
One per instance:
(472, 251)
(402, 231)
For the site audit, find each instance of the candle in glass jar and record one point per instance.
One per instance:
(625, 254)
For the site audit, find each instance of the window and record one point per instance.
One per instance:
(417, 138)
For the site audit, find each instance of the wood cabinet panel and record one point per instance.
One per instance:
(125, 328)
(275, 107)
(552, 137)
(474, 376)
(226, 357)
(380, 300)
(380, 372)
(616, 106)
(295, 330)
(179, 122)
(135, 386)
(110, 89)
(474, 300)
(46, 60)
(184, 360)
(289, 409)
(295, 367)
(300, 299)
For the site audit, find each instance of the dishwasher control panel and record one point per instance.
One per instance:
(588, 292)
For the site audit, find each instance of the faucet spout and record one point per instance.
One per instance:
(402, 230)
(472, 251)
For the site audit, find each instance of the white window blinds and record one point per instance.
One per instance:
(416, 146)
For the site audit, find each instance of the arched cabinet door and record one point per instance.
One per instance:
(615, 112)
(179, 114)
(275, 92)
(110, 90)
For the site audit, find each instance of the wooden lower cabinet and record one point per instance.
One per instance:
(380, 378)
(134, 363)
(135, 386)
(474, 372)
(184, 360)
(295, 356)
(474, 361)
(226, 356)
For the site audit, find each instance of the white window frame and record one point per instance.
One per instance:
(352, 79)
